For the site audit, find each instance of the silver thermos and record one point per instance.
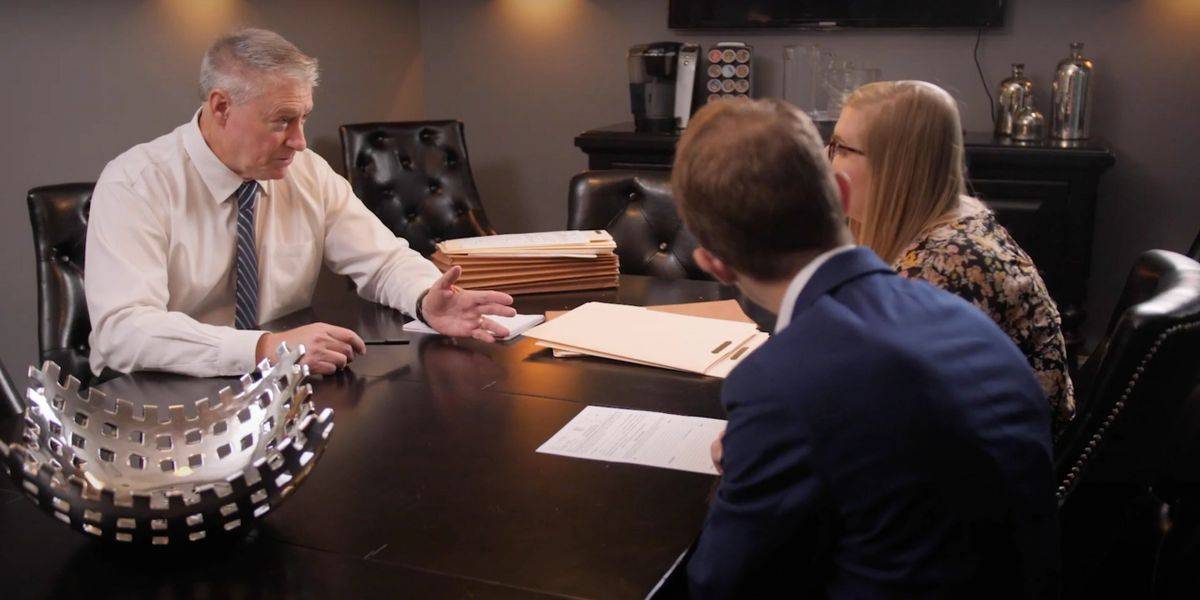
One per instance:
(1013, 92)
(1072, 105)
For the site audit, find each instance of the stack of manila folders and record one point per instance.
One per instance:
(529, 263)
(653, 336)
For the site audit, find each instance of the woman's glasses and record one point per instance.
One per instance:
(835, 147)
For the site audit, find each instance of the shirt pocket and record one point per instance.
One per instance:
(292, 269)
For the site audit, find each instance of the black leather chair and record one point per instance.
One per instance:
(1121, 454)
(637, 209)
(10, 398)
(417, 178)
(59, 215)
(1175, 573)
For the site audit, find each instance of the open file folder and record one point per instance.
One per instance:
(659, 339)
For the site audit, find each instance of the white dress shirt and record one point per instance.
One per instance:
(792, 293)
(159, 260)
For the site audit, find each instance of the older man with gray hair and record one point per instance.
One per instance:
(200, 235)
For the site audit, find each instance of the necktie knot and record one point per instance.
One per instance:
(246, 194)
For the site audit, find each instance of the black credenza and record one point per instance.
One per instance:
(1044, 193)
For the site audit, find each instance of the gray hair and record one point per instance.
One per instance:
(238, 61)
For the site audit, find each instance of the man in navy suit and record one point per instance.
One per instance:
(889, 440)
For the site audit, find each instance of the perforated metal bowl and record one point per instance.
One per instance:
(144, 475)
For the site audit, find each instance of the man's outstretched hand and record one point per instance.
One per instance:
(460, 313)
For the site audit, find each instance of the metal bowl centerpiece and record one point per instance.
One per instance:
(144, 475)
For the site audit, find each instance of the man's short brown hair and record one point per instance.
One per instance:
(753, 185)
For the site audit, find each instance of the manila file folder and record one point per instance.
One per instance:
(635, 334)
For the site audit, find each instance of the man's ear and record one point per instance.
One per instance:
(844, 190)
(219, 104)
(714, 266)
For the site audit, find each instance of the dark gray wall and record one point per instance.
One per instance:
(84, 81)
(526, 77)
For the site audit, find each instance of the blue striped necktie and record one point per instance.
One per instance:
(245, 311)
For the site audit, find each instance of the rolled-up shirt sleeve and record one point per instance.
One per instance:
(127, 295)
(384, 268)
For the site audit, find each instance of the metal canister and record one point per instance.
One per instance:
(1011, 98)
(1028, 124)
(1072, 105)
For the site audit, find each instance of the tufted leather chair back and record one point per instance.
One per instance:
(1133, 386)
(1124, 452)
(637, 209)
(415, 176)
(59, 215)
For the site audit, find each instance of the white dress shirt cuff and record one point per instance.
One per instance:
(412, 309)
(238, 351)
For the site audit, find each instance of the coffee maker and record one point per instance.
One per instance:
(662, 80)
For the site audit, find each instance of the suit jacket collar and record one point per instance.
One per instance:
(838, 270)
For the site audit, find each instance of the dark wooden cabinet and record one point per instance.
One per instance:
(1044, 193)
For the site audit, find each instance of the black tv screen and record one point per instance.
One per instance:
(749, 14)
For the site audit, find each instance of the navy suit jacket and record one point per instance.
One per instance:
(891, 441)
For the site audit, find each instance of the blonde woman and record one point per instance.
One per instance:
(901, 144)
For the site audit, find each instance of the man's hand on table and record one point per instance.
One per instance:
(457, 312)
(327, 347)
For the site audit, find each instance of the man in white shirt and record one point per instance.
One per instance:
(200, 235)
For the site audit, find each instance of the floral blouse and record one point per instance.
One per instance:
(975, 257)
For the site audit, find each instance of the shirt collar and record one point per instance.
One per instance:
(220, 180)
(799, 281)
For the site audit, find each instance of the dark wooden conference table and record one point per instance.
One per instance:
(430, 485)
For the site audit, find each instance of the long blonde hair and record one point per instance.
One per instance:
(914, 147)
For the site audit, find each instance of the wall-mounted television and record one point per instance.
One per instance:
(832, 14)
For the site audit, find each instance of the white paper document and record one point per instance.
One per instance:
(525, 240)
(516, 325)
(638, 437)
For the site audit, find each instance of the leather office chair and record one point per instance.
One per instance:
(10, 398)
(637, 209)
(59, 216)
(1175, 573)
(416, 177)
(1119, 457)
